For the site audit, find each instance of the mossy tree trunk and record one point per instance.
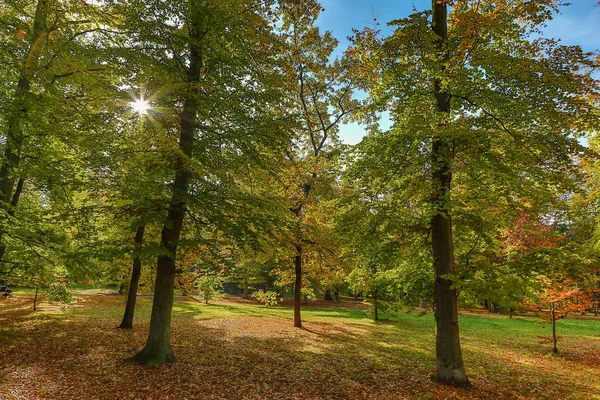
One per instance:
(11, 212)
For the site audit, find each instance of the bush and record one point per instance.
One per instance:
(60, 293)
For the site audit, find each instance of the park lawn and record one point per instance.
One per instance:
(236, 349)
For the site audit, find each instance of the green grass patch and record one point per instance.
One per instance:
(339, 353)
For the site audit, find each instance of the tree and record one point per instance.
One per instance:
(215, 55)
(473, 100)
(208, 283)
(561, 295)
(56, 70)
(320, 98)
(127, 322)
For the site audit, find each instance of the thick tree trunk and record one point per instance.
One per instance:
(298, 287)
(449, 368)
(158, 348)
(337, 296)
(328, 295)
(136, 271)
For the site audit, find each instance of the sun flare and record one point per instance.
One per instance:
(140, 106)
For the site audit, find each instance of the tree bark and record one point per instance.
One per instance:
(11, 212)
(136, 271)
(337, 296)
(246, 289)
(449, 368)
(158, 347)
(328, 295)
(375, 305)
(298, 287)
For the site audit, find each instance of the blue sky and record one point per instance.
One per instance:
(577, 24)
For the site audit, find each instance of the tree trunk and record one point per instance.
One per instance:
(35, 298)
(136, 271)
(493, 308)
(11, 212)
(375, 305)
(553, 312)
(21, 105)
(449, 368)
(328, 295)
(246, 289)
(298, 287)
(337, 296)
(158, 347)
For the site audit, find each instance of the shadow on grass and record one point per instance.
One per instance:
(253, 352)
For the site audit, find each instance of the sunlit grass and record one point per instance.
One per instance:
(340, 351)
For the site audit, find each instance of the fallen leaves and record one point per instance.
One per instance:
(243, 351)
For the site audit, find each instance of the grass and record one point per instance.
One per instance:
(235, 349)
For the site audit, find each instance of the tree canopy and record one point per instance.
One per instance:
(195, 146)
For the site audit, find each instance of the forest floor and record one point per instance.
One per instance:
(236, 349)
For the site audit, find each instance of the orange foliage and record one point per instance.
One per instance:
(527, 233)
(563, 295)
(186, 282)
